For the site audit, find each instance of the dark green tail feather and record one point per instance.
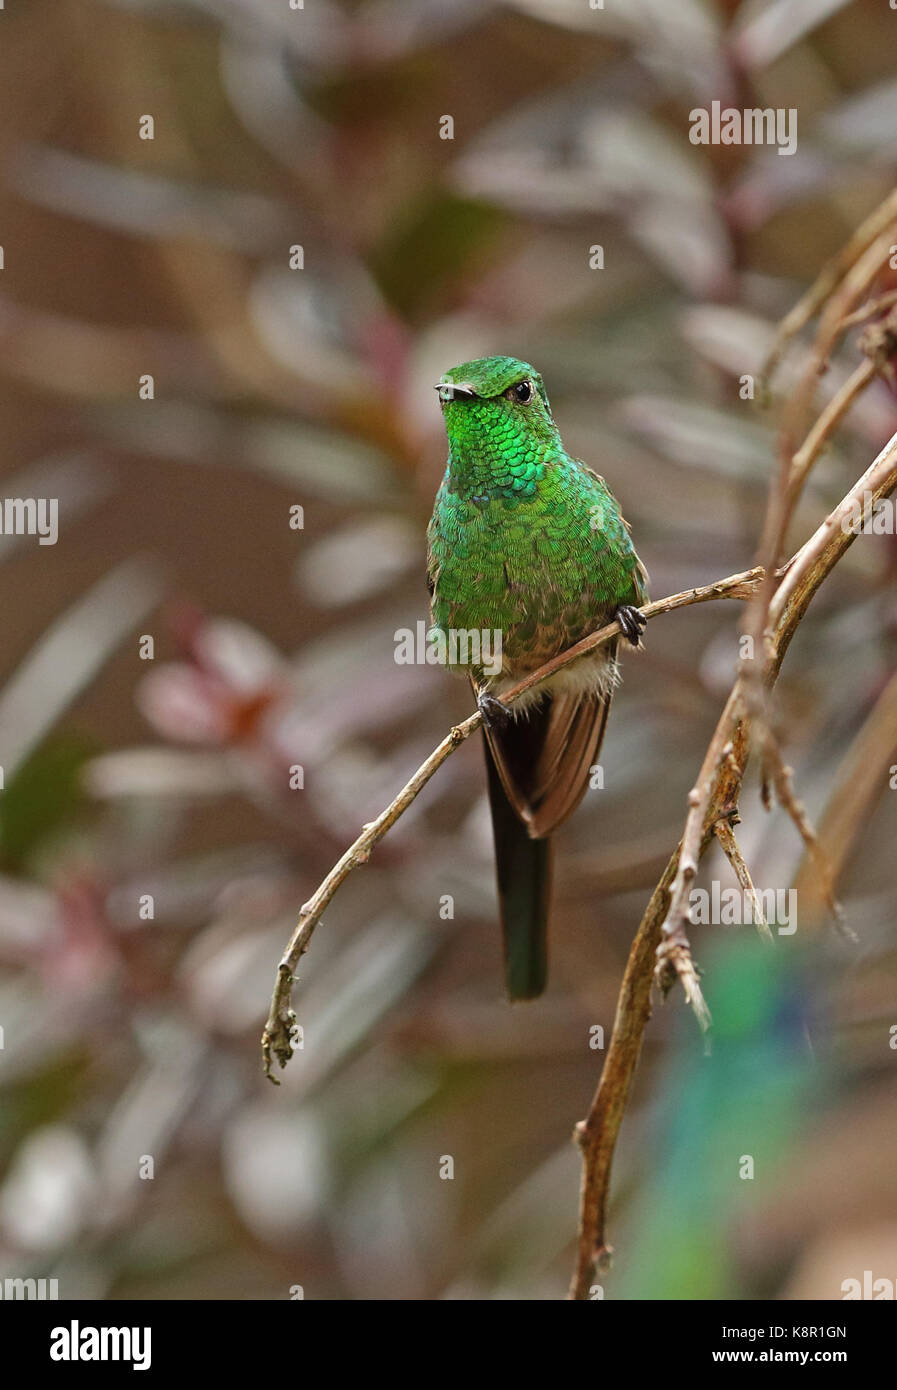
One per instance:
(524, 885)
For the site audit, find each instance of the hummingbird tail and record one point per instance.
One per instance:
(524, 885)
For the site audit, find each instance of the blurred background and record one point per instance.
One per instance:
(293, 259)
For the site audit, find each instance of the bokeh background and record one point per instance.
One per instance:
(127, 1036)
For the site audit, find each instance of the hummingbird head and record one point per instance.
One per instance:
(495, 393)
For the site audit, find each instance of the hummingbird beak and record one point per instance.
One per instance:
(449, 391)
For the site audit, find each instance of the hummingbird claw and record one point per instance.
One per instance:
(495, 713)
(632, 623)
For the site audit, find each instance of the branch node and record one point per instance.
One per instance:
(277, 1038)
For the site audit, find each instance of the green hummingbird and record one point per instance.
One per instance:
(527, 544)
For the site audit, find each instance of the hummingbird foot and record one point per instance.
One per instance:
(632, 623)
(496, 715)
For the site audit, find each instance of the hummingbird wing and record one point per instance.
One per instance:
(544, 757)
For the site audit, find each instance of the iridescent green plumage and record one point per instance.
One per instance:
(523, 538)
(529, 541)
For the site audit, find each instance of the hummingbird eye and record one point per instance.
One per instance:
(522, 392)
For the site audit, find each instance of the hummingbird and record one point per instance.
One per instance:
(528, 544)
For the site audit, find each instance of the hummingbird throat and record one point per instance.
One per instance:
(495, 453)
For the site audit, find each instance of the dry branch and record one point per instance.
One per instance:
(726, 835)
(661, 943)
(661, 949)
(865, 772)
(716, 791)
(828, 280)
(836, 293)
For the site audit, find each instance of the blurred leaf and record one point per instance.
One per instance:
(43, 1095)
(359, 560)
(768, 28)
(44, 796)
(70, 652)
(146, 204)
(445, 239)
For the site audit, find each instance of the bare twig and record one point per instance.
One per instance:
(726, 835)
(777, 611)
(837, 292)
(782, 778)
(870, 310)
(714, 791)
(861, 779)
(794, 470)
(824, 427)
(828, 280)
(597, 1135)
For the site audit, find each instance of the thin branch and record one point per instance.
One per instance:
(713, 793)
(777, 611)
(782, 779)
(726, 835)
(861, 778)
(597, 1134)
(870, 310)
(824, 427)
(795, 469)
(837, 292)
(278, 1033)
(828, 280)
